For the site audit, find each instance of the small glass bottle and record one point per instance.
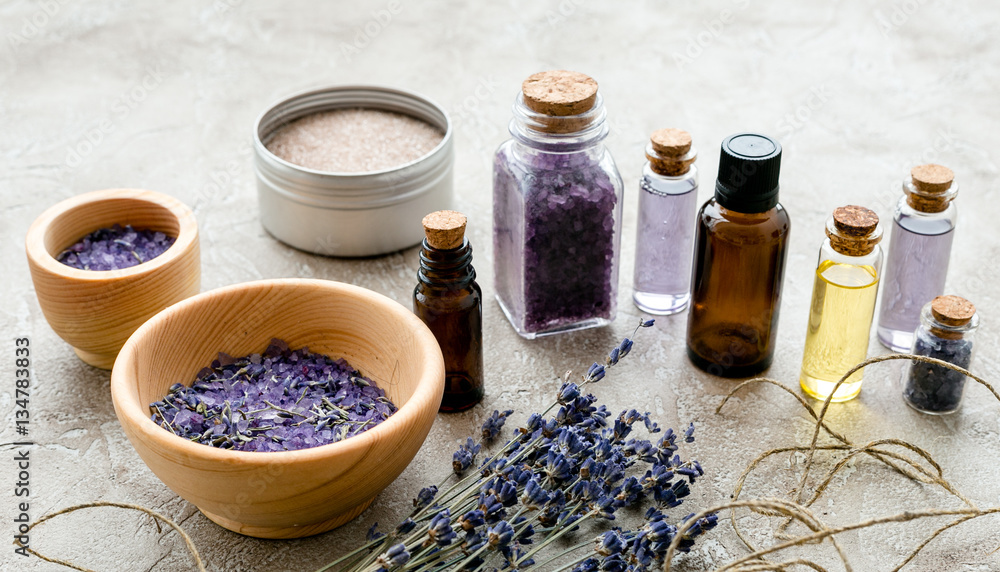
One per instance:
(557, 209)
(450, 302)
(947, 327)
(739, 262)
(668, 195)
(843, 304)
(919, 248)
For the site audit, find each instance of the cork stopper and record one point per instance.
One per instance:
(853, 220)
(669, 152)
(952, 310)
(559, 92)
(932, 178)
(671, 142)
(931, 184)
(445, 230)
(854, 230)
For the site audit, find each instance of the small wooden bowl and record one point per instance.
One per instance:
(286, 494)
(96, 311)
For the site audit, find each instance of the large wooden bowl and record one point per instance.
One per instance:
(96, 311)
(285, 494)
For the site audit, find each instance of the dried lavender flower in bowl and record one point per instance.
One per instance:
(278, 400)
(115, 248)
(95, 306)
(293, 493)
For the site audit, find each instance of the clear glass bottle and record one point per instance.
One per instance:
(947, 328)
(557, 209)
(843, 304)
(739, 262)
(668, 199)
(450, 302)
(919, 249)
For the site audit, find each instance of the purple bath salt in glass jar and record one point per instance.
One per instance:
(557, 209)
(919, 248)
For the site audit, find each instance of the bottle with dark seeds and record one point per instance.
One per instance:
(947, 327)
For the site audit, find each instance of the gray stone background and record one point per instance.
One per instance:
(163, 96)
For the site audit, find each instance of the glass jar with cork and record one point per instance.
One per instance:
(843, 304)
(557, 209)
(947, 327)
(668, 199)
(919, 249)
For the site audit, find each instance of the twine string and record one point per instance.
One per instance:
(797, 510)
(156, 518)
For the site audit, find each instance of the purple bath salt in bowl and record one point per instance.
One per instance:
(115, 248)
(280, 400)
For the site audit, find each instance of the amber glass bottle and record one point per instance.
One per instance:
(450, 302)
(739, 262)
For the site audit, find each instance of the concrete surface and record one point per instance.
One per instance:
(163, 96)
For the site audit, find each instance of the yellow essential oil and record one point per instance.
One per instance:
(843, 304)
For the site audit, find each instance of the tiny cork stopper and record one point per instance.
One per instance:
(559, 92)
(932, 178)
(671, 142)
(853, 230)
(445, 230)
(669, 152)
(952, 310)
(853, 220)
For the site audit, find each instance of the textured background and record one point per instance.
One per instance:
(857, 92)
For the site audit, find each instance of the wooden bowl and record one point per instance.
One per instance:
(285, 494)
(96, 311)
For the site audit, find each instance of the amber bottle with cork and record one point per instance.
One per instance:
(843, 304)
(740, 248)
(668, 195)
(450, 302)
(919, 249)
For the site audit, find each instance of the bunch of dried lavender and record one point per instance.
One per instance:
(552, 476)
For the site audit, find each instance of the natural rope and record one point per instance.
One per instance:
(200, 566)
(796, 510)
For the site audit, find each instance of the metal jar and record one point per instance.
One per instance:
(351, 214)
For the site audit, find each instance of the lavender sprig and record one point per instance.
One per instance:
(556, 475)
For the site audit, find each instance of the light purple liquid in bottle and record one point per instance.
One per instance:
(667, 207)
(916, 267)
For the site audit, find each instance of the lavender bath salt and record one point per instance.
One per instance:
(565, 261)
(280, 400)
(556, 209)
(115, 248)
